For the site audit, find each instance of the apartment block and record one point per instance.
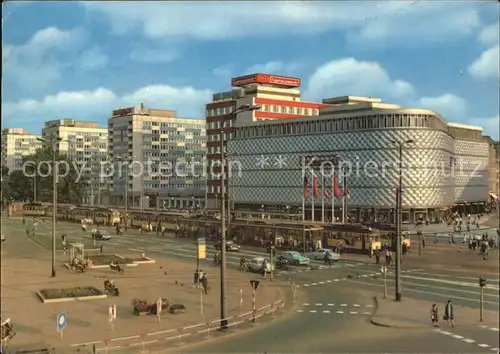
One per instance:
(16, 144)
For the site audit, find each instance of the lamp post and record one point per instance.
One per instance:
(399, 216)
(121, 158)
(234, 113)
(54, 142)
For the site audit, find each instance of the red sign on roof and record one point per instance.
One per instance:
(265, 79)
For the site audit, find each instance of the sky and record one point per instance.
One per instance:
(81, 60)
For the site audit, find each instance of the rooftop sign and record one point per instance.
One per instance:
(265, 79)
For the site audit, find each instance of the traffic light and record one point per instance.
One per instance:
(482, 282)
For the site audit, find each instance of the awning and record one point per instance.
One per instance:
(494, 196)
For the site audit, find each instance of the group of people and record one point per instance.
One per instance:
(201, 279)
(448, 314)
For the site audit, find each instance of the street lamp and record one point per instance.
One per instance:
(234, 113)
(399, 220)
(54, 142)
(121, 158)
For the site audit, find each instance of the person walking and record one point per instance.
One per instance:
(434, 315)
(448, 314)
(204, 283)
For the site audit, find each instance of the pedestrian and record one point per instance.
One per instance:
(377, 256)
(448, 314)
(204, 283)
(196, 280)
(434, 315)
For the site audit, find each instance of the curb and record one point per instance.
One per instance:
(377, 323)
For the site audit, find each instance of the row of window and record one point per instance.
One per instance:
(351, 123)
(149, 125)
(266, 108)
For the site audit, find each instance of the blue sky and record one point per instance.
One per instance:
(81, 60)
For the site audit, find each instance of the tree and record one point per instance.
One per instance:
(37, 172)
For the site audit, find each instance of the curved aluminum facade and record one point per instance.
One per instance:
(428, 179)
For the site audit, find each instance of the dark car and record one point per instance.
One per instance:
(230, 246)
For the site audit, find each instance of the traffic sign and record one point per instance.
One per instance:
(201, 248)
(61, 321)
(254, 284)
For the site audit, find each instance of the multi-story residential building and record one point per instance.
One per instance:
(279, 99)
(444, 164)
(171, 151)
(493, 168)
(17, 143)
(86, 144)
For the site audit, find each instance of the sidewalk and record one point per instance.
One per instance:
(415, 314)
(88, 320)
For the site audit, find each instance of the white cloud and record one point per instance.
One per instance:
(373, 20)
(490, 125)
(188, 101)
(223, 71)
(487, 65)
(92, 59)
(490, 35)
(34, 64)
(273, 67)
(450, 106)
(42, 60)
(154, 55)
(352, 77)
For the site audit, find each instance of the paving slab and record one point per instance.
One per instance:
(415, 314)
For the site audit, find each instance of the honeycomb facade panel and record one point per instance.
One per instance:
(272, 169)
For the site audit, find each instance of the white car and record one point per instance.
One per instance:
(255, 265)
(320, 253)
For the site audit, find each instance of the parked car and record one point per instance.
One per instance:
(230, 246)
(295, 258)
(255, 265)
(320, 254)
(102, 237)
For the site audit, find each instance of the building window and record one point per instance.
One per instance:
(307, 112)
(290, 110)
(299, 110)
(275, 109)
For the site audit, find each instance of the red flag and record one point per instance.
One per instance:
(315, 187)
(336, 190)
(325, 191)
(306, 188)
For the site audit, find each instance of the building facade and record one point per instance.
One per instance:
(279, 98)
(493, 168)
(171, 151)
(16, 144)
(445, 165)
(86, 144)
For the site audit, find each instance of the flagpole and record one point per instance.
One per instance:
(333, 197)
(341, 175)
(323, 196)
(313, 194)
(346, 192)
(303, 195)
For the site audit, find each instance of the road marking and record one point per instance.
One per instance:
(314, 283)
(331, 304)
(339, 312)
(353, 313)
(326, 311)
(343, 305)
(356, 305)
(305, 304)
(300, 310)
(467, 340)
(328, 281)
(336, 279)
(483, 345)
(452, 282)
(494, 349)
(456, 336)
(367, 313)
(306, 284)
(321, 282)
(494, 329)
(369, 305)
(313, 311)
(319, 304)
(364, 275)
(443, 332)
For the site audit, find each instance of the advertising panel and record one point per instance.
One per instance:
(266, 79)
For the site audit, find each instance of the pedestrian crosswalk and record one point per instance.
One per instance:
(337, 309)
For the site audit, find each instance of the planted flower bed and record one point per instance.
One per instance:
(106, 259)
(70, 294)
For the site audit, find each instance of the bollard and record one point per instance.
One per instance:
(209, 327)
(294, 291)
(179, 330)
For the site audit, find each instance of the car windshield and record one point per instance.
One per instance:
(294, 254)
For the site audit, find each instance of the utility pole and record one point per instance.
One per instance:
(223, 323)
(399, 219)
